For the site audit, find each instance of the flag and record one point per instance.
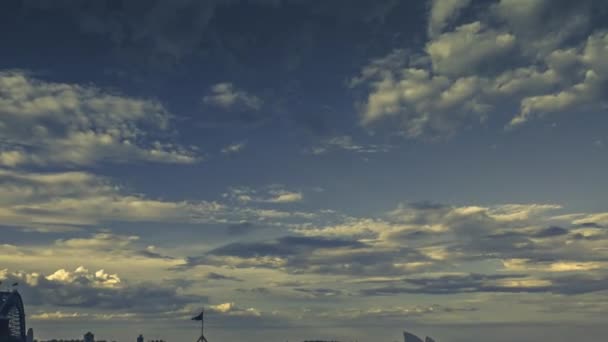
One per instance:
(199, 317)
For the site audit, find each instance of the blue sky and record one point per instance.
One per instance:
(306, 169)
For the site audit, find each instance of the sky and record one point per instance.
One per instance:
(310, 169)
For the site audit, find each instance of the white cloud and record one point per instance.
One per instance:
(543, 25)
(226, 96)
(271, 194)
(588, 93)
(232, 309)
(442, 11)
(423, 103)
(468, 49)
(234, 148)
(504, 59)
(286, 197)
(598, 218)
(57, 123)
(96, 279)
(62, 316)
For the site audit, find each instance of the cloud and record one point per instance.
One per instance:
(499, 61)
(84, 316)
(46, 123)
(286, 197)
(450, 284)
(294, 253)
(101, 250)
(271, 194)
(442, 11)
(234, 148)
(56, 201)
(596, 220)
(232, 309)
(227, 97)
(320, 292)
(84, 289)
(315, 255)
(585, 94)
(346, 143)
(465, 50)
(400, 312)
(218, 276)
(285, 246)
(513, 283)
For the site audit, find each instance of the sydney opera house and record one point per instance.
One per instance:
(408, 337)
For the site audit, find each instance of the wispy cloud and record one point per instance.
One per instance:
(234, 148)
(226, 96)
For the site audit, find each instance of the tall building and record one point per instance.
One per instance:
(89, 337)
(140, 338)
(30, 335)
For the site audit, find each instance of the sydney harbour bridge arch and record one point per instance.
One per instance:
(12, 317)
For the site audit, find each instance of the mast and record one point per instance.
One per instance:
(201, 317)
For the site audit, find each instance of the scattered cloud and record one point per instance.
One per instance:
(479, 69)
(272, 194)
(46, 123)
(346, 143)
(227, 97)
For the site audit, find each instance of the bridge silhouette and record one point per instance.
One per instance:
(12, 317)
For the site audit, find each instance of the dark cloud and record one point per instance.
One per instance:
(552, 232)
(218, 276)
(589, 225)
(474, 283)
(255, 290)
(170, 32)
(299, 254)
(154, 255)
(283, 247)
(321, 292)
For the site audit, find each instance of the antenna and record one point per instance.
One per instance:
(201, 317)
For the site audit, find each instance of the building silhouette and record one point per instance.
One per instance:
(140, 338)
(89, 337)
(409, 337)
(30, 335)
(12, 317)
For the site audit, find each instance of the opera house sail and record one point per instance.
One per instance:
(409, 337)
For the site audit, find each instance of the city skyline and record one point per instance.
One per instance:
(341, 170)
